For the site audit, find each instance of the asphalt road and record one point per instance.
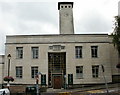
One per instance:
(112, 91)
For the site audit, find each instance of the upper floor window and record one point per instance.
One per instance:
(19, 72)
(34, 71)
(19, 52)
(94, 51)
(78, 51)
(35, 52)
(95, 71)
(79, 71)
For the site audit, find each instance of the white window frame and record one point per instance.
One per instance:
(95, 71)
(35, 52)
(78, 52)
(79, 72)
(19, 72)
(19, 52)
(34, 71)
(94, 51)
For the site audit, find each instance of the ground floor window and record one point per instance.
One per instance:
(95, 71)
(19, 72)
(34, 71)
(79, 71)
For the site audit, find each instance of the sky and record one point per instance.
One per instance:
(38, 17)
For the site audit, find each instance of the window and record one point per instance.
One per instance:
(79, 71)
(78, 51)
(19, 52)
(35, 52)
(61, 6)
(19, 72)
(95, 71)
(94, 51)
(34, 71)
(65, 6)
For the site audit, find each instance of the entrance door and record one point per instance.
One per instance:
(56, 68)
(57, 82)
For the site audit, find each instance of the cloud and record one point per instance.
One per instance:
(42, 17)
(93, 22)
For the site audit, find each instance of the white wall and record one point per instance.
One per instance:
(69, 41)
(1, 68)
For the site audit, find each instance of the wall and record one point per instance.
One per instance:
(1, 69)
(69, 41)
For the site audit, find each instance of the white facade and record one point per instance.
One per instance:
(105, 57)
(1, 69)
(80, 55)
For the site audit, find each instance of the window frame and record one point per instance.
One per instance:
(95, 71)
(19, 52)
(35, 52)
(78, 52)
(34, 71)
(19, 72)
(94, 51)
(79, 72)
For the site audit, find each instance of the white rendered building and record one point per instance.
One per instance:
(64, 58)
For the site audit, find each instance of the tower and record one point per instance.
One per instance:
(66, 25)
(119, 8)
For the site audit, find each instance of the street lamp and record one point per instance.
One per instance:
(9, 57)
(37, 81)
(103, 70)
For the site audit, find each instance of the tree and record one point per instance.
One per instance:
(116, 35)
(8, 78)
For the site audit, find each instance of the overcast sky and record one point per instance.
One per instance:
(33, 17)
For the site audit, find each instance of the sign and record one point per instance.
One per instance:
(43, 79)
(70, 79)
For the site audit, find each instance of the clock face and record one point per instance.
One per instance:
(66, 14)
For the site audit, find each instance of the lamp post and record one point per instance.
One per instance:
(9, 57)
(37, 82)
(103, 70)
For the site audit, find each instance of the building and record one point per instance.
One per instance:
(65, 58)
(1, 69)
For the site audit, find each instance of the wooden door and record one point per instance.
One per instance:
(57, 82)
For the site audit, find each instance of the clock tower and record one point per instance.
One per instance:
(66, 25)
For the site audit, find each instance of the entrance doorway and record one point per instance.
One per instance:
(57, 80)
(56, 69)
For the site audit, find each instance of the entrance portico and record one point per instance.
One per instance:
(56, 69)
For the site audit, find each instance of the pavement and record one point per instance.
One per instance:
(112, 88)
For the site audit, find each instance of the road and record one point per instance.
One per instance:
(112, 91)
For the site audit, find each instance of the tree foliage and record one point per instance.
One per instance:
(8, 78)
(116, 33)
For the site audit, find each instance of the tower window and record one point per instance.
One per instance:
(69, 6)
(65, 6)
(61, 6)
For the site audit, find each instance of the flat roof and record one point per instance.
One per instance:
(58, 35)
